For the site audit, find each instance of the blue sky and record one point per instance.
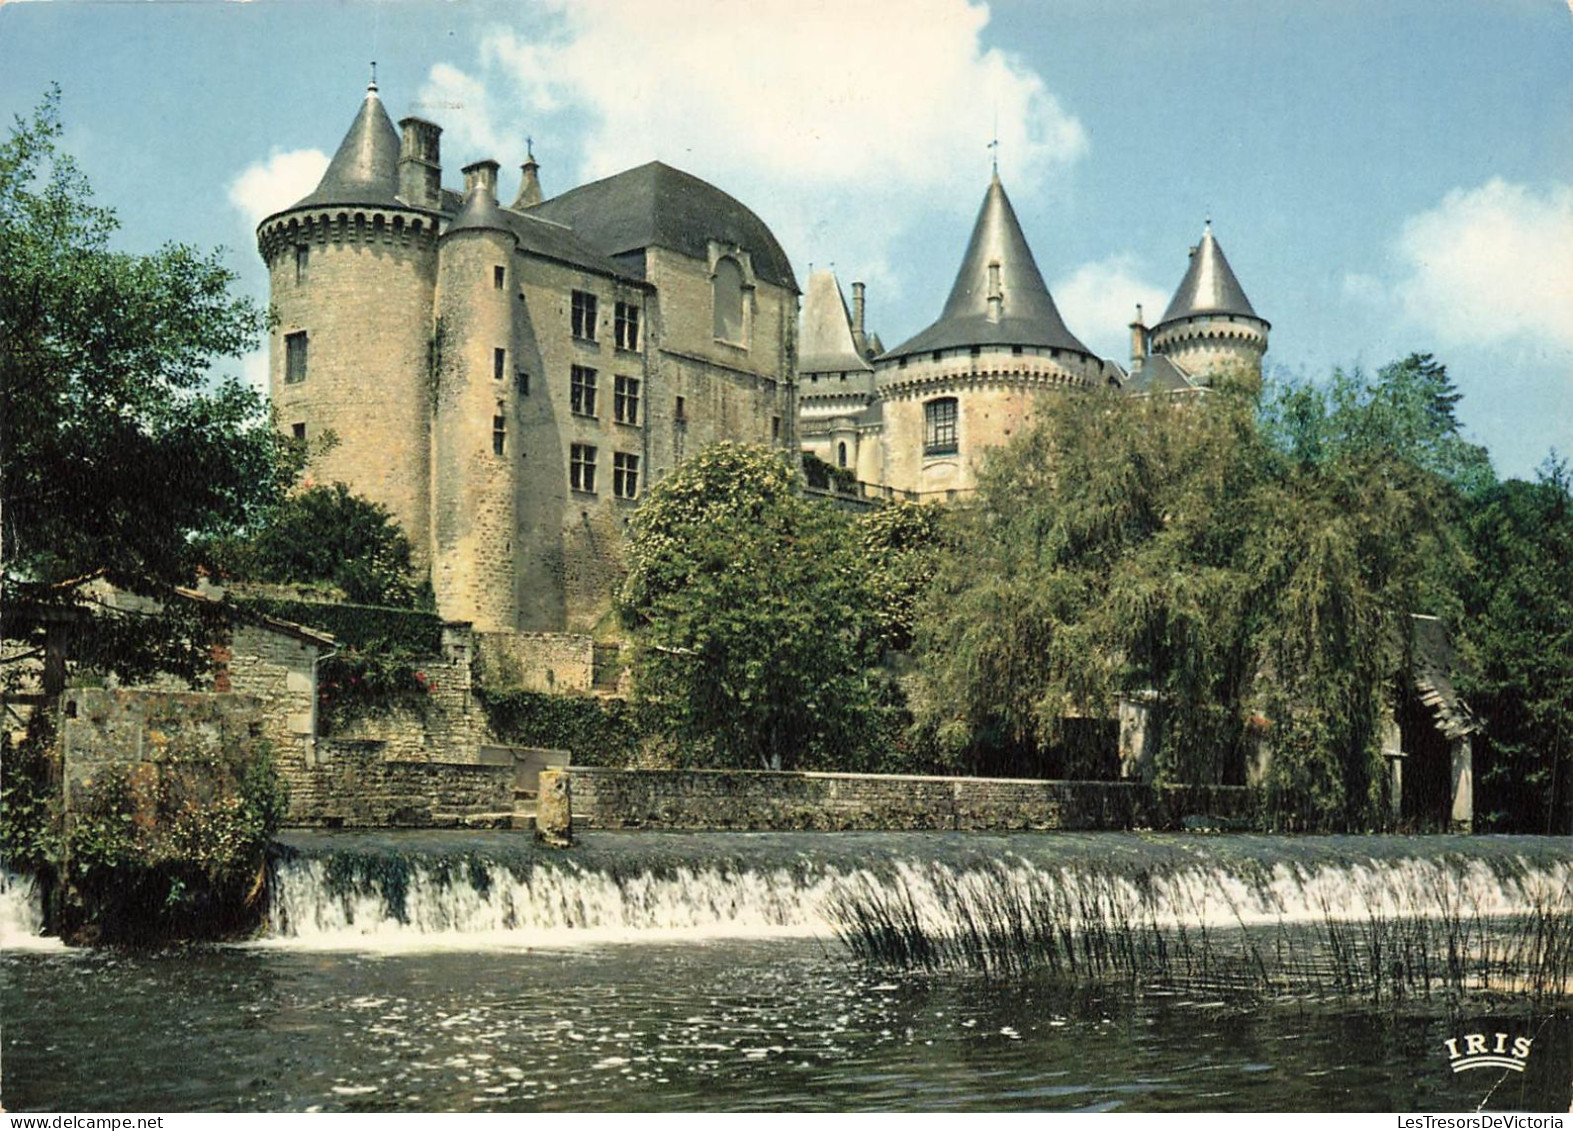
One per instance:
(1384, 175)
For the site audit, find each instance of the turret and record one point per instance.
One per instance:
(529, 182)
(1210, 328)
(476, 442)
(352, 273)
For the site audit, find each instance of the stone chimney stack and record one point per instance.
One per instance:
(859, 338)
(420, 163)
(482, 176)
(1140, 346)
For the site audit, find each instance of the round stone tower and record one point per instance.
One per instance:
(352, 271)
(475, 448)
(1210, 329)
(973, 379)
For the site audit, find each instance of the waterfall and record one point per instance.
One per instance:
(22, 914)
(478, 890)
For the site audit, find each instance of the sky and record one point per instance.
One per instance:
(1385, 176)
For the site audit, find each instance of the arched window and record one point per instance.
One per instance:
(841, 454)
(727, 290)
(939, 427)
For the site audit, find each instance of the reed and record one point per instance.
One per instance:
(1104, 929)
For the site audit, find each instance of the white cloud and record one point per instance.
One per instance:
(461, 105)
(1098, 302)
(266, 187)
(1491, 264)
(841, 124)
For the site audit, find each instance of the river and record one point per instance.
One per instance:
(475, 972)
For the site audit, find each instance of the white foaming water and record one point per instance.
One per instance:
(483, 905)
(548, 907)
(22, 915)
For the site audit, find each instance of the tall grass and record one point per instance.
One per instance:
(1105, 928)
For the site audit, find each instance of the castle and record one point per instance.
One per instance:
(915, 420)
(507, 380)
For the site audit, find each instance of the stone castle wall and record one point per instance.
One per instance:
(758, 800)
(358, 784)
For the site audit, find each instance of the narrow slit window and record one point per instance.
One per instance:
(499, 277)
(499, 434)
(295, 357)
(499, 363)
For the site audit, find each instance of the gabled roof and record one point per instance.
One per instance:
(825, 342)
(1209, 286)
(656, 205)
(1159, 374)
(1434, 666)
(1027, 314)
(365, 170)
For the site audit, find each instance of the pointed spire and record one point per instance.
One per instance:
(530, 182)
(825, 341)
(999, 296)
(365, 170)
(1209, 286)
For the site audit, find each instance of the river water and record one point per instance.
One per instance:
(474, 972)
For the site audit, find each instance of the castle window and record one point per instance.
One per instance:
(625, 400)
(939, 427)
(298, 430)
(521, 381)
(499, 363)
(499, 434)
(1016, 350)
(295, 357)
(841, 454)
(976, 351)
(581, 467)
(625, 475)
(302, 261)
(727, 294)
(626, 326)
(499, 277)
(775, 428)
(680, 414)
(581, 391)
(938, 354)
(584, 316)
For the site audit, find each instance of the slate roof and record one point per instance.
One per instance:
(1028, 316)
(1434, 665)
(1159, 374)
(656, 205)
(365, 170)
(1209, 286)
(825, 343)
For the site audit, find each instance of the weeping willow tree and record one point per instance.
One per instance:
(1164, 546)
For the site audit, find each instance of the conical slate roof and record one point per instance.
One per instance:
(825, 342)
(480, 211)
(365, 170)
(1209, 286)
(1027, 315)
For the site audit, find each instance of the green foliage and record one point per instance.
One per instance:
(598, 732)
(1161, 545)
(1518, 637)
(900, 544)
(326, 534)
(381, 679)
(121, 449)
(364, 627)
(828, 477)
(173, 850)
(29, 806)
(755, 638)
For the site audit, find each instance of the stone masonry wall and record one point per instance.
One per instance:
(745, 800)
(537, 661)
(356, 785)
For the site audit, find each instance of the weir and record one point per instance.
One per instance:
(390, 890)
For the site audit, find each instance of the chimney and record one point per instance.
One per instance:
(859, 339)
(529, 183)
(1139, 341)
(420, 163)
(481, 176)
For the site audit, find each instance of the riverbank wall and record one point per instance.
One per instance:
(789, 801)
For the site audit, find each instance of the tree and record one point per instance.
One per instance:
(1161, 546)
(755, 636)
(120, 449)
(1518, 637)
(325, 534)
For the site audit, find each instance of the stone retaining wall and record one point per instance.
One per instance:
(358, 786)
(760, 801)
